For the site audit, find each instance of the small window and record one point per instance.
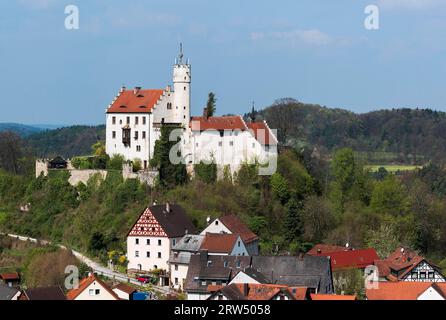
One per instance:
(174, 242)
(114, 134)
(184, 107)
(176, 281)
(143, 120)
(176, 267)
(136, 120)
(114, 120)
(431, 275)
(148, 242)
(136, 241)
(169, 105)
(98, 292)
(231, 143)
(220, 143)
(128, 120)
(159, 242)
(138, 148)
(184, 88)
(238, 244)
(91, 292)
(216, 222)
(148, 254)
(225, 264)
(143, 134)
(136, 135)
(137, 254)
(414, 275)
(159, 255)
(422, 275)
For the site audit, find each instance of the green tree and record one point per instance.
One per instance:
(206, 172)
(384, 240)
(211, 104)
(279, 186)
(389, 197)
(115, 163)
(293, 221)
(170, 174)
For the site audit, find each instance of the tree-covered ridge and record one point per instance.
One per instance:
(409, 135)
(67, 142)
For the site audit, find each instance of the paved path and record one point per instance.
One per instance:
(96, 267)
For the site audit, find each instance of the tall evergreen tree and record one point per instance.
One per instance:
(293, 221)
(211, 104)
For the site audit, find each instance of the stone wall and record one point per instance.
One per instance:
(83, 176)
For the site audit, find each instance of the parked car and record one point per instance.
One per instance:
(144, 279)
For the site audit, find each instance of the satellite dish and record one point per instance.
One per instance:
(208, 219)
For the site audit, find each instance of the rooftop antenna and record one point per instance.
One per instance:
(180, 56)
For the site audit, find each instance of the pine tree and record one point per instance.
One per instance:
(293, 221)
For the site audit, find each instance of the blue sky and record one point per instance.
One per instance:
(317, 51)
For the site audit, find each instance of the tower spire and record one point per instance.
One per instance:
(180, 56)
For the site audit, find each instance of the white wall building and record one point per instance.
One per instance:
(92, 288)
(134, 119)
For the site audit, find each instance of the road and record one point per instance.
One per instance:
(96, 267)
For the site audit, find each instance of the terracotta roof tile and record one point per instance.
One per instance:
(346, 258)
(219, 242)
(124, 288)
(141, 102)
(262, 133)
(233, 223)
(332, 297)
(403, 290)
(10, 276)
(85, 283)
(251, 291)
(218, 123)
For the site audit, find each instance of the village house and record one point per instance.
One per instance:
(231, 224)
(250, 291)
(124, 291)
(407, 290)
(43, 293)
(406, 265)
(134, 119)
(152, 237)
(224, 244)
(344, 258)
(92, 288)
(10, 279)
(307, 271)
(8, 293)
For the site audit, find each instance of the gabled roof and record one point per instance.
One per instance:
(7, 293)
(124, 288)
(251, 291)
(85, 283)
(262, 133)
(44, 293)
(219, 242)
(190, 243)
(157, 221)
(305, 271)
(351, 259)
(141, 102)
(403, 290)
(14, 276)
(332, 297)
(401, 261)
(254, 274)
(218, 123)
(323, 249)
(235, 225)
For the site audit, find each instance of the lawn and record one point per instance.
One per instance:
(392, 168)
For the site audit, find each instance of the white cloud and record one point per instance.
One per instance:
(409, 4)
(312, 37)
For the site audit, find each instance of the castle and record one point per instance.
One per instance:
(134, 120)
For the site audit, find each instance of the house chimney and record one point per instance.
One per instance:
(245, 289)
(123, 88)
(136, 90)
(205, 113)
(167, 207)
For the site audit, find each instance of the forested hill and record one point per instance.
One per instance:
(67, 142)
(400, 135)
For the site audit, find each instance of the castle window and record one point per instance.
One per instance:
(176, 267)
(148, 242)
(159, 242)
(169, 105)
(184, 88)
(136, 241)
(114, 120)
(231, 143)
(126, 137)
(136, 135)
(184, 107)
(143, 134)
(137, 254)
(136, 120)
(148, 254)
(143, 120)
(159, 255)
(220, 143)
(128, 120)
(114, 134)
(138, 148)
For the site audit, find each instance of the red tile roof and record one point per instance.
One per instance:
(346, 258)
(262, 133)
(10, 276)
(402, 260)
(124, 288)
(322, 249)
(85, 283)
(218, 123)
(236, 291)
(219, 242)
(235, 225)
(332, 297)
(403, 290)
(141, 102)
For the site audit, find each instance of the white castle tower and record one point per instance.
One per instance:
(181, 87)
